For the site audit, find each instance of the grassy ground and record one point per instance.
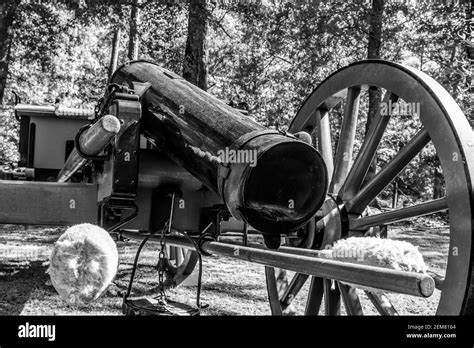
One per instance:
(230, 287)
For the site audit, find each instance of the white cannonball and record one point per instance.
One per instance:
(83, 263)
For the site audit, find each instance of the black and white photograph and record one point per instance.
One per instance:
(202, 167)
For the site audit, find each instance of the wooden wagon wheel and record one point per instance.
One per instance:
(442, 123)
(180, 263)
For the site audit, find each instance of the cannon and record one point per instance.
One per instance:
(159, 154)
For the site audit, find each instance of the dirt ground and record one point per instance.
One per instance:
(230, 287)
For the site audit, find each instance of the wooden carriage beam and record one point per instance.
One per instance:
(47, 203)
(410, 283)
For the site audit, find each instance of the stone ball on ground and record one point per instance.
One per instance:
(83, 263)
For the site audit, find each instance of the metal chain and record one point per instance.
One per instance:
(162, 255)
(161, 263)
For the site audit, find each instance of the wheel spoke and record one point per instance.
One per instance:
(388, 173)
(389, 217)
(315, 296)
(179, 256)
(324, 139)
(293, 289)
(332, 298)
(351, 299)
(172, 253)
(382, 303)
(346, 139)
(272, 291)
(368, 149)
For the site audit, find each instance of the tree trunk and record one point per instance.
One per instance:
(115, 52)
(134, 39)
(468, 42)
(195, 58)
(373, 52)
(7, 13)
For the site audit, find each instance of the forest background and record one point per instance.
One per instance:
(266, 56)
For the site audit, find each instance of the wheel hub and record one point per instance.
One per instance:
(331, 227)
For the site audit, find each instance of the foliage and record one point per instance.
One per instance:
(270, 55)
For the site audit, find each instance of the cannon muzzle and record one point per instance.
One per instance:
(273, 181)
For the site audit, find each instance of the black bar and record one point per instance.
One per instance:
(222, 331)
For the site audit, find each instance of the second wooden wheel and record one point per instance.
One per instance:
(180, 263)
(442, 124)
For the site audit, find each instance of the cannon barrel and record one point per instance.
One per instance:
(272, 181)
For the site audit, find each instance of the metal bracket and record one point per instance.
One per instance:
(124, 159)
(141, 88)
(127, 144)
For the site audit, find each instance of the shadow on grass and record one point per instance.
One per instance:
(30, 234)
(237, 290)
(433, 243)
(16, 289)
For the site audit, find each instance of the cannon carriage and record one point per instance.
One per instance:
(175, 157)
